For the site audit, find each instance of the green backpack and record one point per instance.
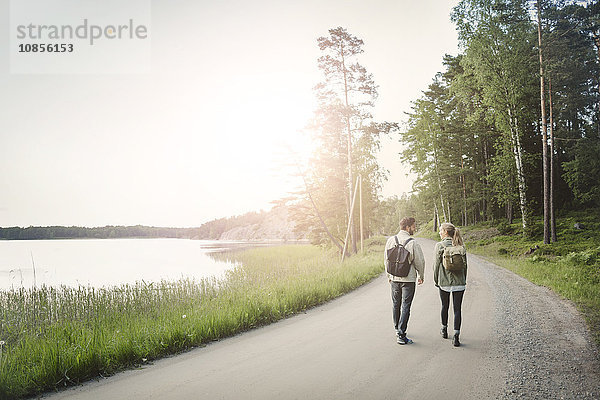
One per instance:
(453, 258)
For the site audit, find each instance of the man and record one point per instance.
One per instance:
(403, 288)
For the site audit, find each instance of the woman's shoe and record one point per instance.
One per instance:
(455, 341)
(444, 332)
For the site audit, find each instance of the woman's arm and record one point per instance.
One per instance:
(436, 264)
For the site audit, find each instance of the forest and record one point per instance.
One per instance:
(510, 129)
(479, 140)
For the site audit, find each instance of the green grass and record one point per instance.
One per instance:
(60, 337)
(570, 267)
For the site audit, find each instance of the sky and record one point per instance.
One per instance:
(202, 127)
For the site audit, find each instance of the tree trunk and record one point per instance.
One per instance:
(360, 208)
(518, 154)
(597, 42)
(350, 180)
(486, 202)
(552, 212)
(544, 132)
(464, 187)
(437, 174)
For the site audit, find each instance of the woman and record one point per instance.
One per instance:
(450, 281)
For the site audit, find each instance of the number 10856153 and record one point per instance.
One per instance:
(46, 48)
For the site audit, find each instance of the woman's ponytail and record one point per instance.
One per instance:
(454, 233)
(457, 239)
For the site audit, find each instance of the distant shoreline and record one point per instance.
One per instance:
(269, 240)
(254, 226)
(106, 232)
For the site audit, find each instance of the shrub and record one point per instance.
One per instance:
(504, 227)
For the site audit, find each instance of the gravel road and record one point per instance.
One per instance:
(543, 339)
(519, 341)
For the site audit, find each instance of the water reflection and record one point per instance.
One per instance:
(109, 262)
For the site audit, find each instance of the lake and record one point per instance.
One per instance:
(106, 262)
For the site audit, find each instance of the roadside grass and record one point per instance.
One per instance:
(570, 267)
(55, 337)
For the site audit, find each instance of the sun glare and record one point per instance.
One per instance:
(268, 127)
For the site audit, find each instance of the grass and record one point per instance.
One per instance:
(56, 337)
(570, 267)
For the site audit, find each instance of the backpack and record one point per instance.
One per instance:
(452, 258)
(398, 259)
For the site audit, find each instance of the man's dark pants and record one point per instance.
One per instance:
(402, 297)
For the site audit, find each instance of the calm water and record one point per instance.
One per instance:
(105, 262)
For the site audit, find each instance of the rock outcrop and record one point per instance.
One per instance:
(276, 225)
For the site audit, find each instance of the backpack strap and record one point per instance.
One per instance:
(441, 251)
(397, 242)
(411, 254)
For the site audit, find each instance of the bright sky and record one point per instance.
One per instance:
(203, 135)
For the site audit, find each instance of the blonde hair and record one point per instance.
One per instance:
(453, 232)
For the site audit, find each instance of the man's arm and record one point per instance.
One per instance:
(385, 260)
(419, 262)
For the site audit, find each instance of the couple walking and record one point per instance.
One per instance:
(450, 281)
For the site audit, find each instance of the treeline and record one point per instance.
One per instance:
(106, 232)
(475, 137)
(211, 230)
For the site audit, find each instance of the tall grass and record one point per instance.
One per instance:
(55, 337)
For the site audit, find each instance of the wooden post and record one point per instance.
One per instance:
(350, 220)
(362, 249)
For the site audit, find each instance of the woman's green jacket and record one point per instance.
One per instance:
(441, 276)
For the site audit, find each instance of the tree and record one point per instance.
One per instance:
(544, 127)
(498, 39)
(583, 172)
(347, 92)
(473, 138)
(347, 140)
(572, 65)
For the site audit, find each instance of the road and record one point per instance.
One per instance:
(518, 341)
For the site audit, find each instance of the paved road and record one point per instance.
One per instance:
(519, 341)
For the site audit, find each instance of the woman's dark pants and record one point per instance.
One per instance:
(457, 298)
(402, 297)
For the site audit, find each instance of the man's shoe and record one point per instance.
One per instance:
(455, 341)
(404, 340)
(444, 332)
